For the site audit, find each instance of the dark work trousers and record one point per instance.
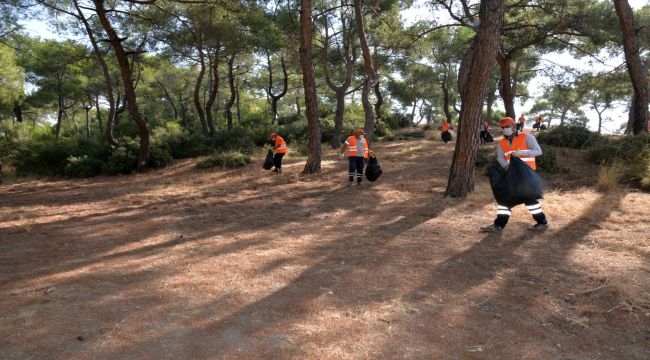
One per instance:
(482, 136)
(277, 161)
(533, 206)
(356, 167)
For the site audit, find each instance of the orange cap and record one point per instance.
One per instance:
(359, 132)
(506, 121)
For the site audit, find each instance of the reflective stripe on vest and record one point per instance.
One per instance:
(352, 147)
(519, 143)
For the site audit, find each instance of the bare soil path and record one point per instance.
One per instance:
(183, 263)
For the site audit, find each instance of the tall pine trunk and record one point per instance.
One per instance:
(474, 74)
(635, 66)
(309, 83)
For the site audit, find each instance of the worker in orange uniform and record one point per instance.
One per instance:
(445, 126)
(521, 122)
(358, 151)
(279, 148)
(525, 147)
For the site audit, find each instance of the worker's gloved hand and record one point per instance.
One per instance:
(342, 155)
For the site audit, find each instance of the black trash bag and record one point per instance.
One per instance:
(488, 138)
(373, 169)
(523, 181)
(446, 136)
(500, 189)
(268, 162)
(518, 185)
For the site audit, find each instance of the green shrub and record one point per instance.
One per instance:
(237, 139)
(485, 156)
(548, 160)
(159, 156)
(632, 150)
(123, 159)
(82, 167)
(43, 157)
(181, 143)
(229, 159)
(574, 137)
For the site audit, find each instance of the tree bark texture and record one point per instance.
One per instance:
(108, 79)
(127, 79)
(349, 56)
(371, 81)
(635, 66)
(309, 83)
(507, 91)
(233, 93)
(474, 74)
(285, 85)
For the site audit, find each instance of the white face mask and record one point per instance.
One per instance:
(507, 131)
(361, 136)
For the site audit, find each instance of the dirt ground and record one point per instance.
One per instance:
(182, 263)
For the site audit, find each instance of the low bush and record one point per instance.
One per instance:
(82, 167)
(123, 159)
(631, 150)
(485, 156)
(574, 137)
(228, 159)
(548, 160)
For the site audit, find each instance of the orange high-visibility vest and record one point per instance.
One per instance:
(280, 145)
(445, 126)
(352, 147)
(519, 143)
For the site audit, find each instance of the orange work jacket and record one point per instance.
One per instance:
(445, 126)
(352, 147)
(280, 145)
(519, 143)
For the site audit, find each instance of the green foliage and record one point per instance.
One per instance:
(159, 156)
(41, 157)
(396, 121)
(485, 156)
(179, 143)
(12, 78)
(632, 150)
(574, 137)
(123, 159)
(548, 160)
(237, 139)
(82, 167)
(228, 159)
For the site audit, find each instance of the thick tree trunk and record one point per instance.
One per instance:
(378, 104)
(335, 143)
(285, 85)
(339, 91)
(127, 79)
(635, 66)
(313, 164)
(371, 81)
(474, 74)
(506, 90)
(213, 91)
(445, 99)
(233, 92)
(196, 94)
(108, 80)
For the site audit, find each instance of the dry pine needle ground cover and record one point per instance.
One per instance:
(182, 263)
